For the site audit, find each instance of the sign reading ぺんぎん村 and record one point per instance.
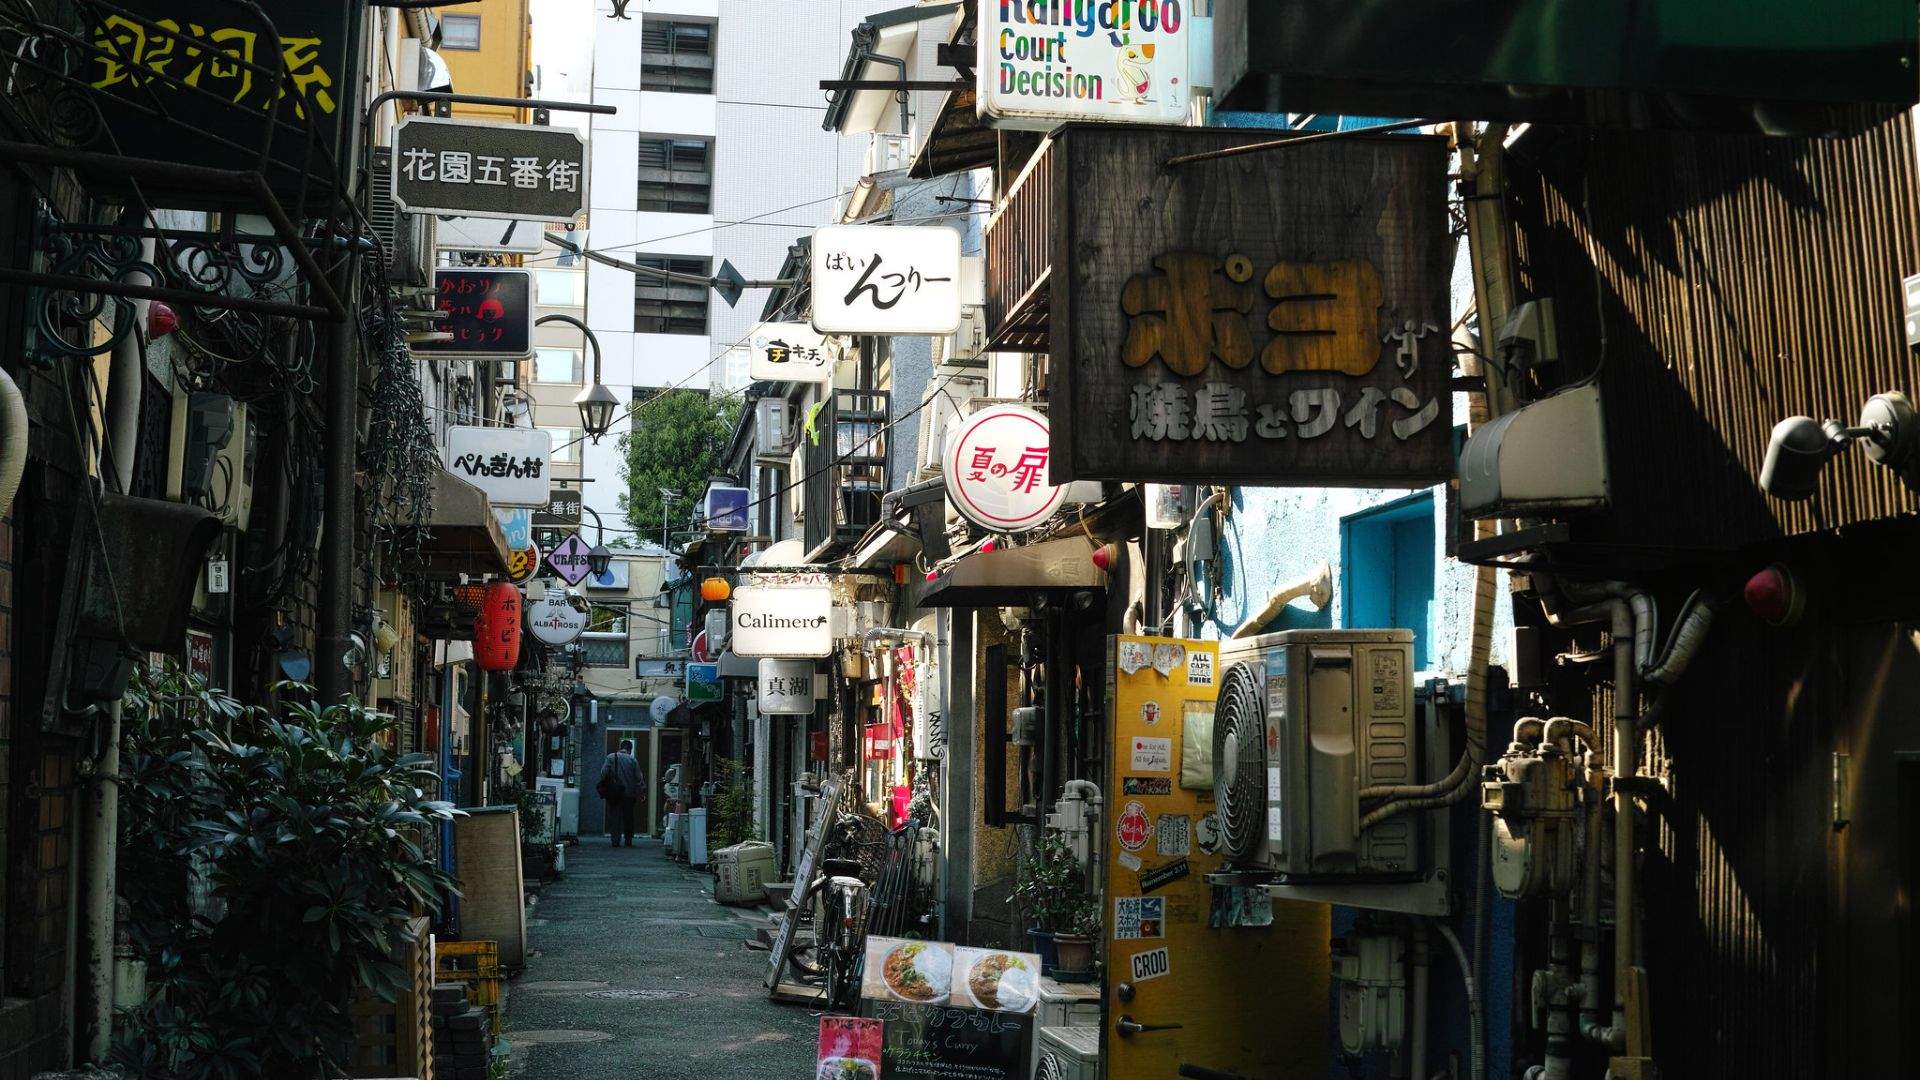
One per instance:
(1300, 340)
(996, 468)
(509, 464)
(1044, 61)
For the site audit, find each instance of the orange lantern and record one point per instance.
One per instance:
(496, 630)
(715, 589)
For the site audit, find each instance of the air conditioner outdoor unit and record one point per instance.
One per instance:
(770, 427)
(1549, 456)
(407, 238)
(1304, 721)
(946, 396)
(1068, 1053)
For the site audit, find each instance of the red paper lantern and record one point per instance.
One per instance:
(496, 630)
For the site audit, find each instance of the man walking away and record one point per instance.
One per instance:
(620, 785)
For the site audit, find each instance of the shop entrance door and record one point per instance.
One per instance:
(1188, 980)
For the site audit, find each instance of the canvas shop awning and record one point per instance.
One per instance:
(463, 536)
(1010, 576)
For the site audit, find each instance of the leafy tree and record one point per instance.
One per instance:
(677, 443)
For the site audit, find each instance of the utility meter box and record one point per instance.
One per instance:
(1305, 721)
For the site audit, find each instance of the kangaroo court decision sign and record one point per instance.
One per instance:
(1299, 339)
(1053, 60)
(480, 169)
(783, 620)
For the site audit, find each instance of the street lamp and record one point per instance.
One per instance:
(596, 403)
(601, 556)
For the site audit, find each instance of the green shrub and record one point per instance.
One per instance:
(270, 863)
(730, 816)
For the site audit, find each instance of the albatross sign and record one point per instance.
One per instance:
(1045, 61)
(783, 621)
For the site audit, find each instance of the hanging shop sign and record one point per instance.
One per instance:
(563, 508)
(1055, 60)
(488, 236)
(703, 683)
(489, 313)
(482, 169)
(786, 687)
(1300, 340)
(886, 279)
(725, 508)
(516, 526)
(553, 621)
(790, 352)
(783, 620)
(646, 668)
(616, 576)
(523, 563)
(571, 559)
(996, 469)
(190, 84)
(509, 464)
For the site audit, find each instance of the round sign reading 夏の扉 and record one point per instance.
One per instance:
(996, 466)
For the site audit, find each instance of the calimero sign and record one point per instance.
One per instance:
(1274, 319)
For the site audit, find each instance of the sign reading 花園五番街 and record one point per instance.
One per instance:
(1045, 61)
(1300, 340)
(475, 168)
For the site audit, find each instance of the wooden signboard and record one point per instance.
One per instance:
(828, 803)
(1275, 318)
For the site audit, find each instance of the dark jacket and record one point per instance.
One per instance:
(625, 773)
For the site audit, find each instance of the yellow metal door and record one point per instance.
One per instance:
(1180, 990)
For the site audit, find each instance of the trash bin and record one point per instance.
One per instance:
(743, 871)
(696, 826)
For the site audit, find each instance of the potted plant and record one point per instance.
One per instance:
(1051, 889)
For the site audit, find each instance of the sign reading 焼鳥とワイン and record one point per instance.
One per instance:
(1299, 337)
(1044, 61)
(478, 169)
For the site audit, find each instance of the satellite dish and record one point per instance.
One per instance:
(661, 706)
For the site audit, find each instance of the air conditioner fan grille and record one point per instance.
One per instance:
(1240, 760)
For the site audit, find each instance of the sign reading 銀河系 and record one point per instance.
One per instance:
(509, 464)
(197, 84)
(1299, 340)
(480, 169)
(487, 310)
(886, 279)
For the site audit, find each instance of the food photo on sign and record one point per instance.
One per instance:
(950, 1011)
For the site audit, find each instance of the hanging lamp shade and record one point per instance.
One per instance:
(496, 630)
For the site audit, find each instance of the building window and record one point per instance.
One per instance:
(560, 288)
(557, 366)
(607, 619)
(566, 444)
(1386, 569)
(608, 652)
(670, 307)
(460, 32)
(676, 176)
(676, 57)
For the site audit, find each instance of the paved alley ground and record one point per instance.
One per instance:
(634, 971)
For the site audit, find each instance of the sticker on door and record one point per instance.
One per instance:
(1150, 965)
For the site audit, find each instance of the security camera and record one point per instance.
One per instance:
(1800, 446)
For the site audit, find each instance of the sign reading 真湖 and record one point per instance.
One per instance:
(489, 312)
(785, 687)
(783, 620)
(886, 279)
(509, 464)
(1298, 339)
(481, 169)
(1044, 61)
(996, 469)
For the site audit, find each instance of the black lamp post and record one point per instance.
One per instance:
(601, 556)
(596, 403)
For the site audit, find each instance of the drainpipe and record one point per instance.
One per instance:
(863, 39)
(1422, 974)
(331, 677)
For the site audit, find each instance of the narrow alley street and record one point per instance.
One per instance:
(634, 971)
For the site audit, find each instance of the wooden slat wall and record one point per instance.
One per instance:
(1742, 280)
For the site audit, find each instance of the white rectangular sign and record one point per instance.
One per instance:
(1047, 61)
(785, 687)
(791, 352)
(509, 464)
(886, 279)
(783, 620)
(492, 236)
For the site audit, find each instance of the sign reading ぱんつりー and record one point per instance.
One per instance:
(477, 168)
(886, 279)
(996, 469)
(1045, 61)
(509, 464)
(1300, 340)
(782, 621)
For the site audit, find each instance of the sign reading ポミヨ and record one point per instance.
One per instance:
(481, 169)
(886, 279)
(783, 620)
(488, 311)
(1045, 61)
(1300, 340)
(509, 464)
(996, 468)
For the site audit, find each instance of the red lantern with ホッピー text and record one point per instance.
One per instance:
(496, 630)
